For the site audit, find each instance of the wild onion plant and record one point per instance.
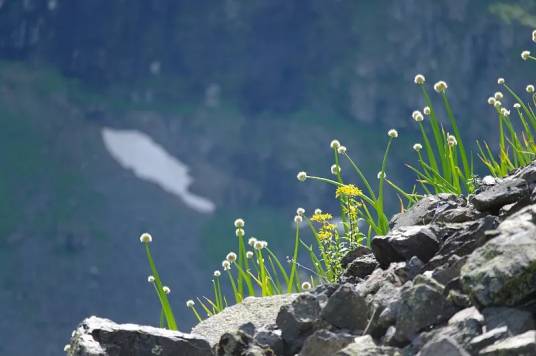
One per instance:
(444, 166)
(517, 148)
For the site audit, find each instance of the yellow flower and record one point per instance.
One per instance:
(348, 190)
(324, 235)
(321, 217)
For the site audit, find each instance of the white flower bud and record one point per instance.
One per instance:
(341, 150)
(427, 111)
(231, 257)
(525, 55)
(306, 286)
(239, 232)
(239, 223)
(381, 175)
(146, 238)
(300, 211)
(302, 176)
(498, 95)
(252, 241)
(392, 133)
(150, 279)
(440, 86)
(417, 116)
(190, 303)
(505, 112)
(318, 211)
(166, 290)
(298, 219)
(335, 169)
(500, 81)
(226, 265)
(530, 88)
(517, 106)
(335, 144)
(451, 141)
(417, 147)
(419, 79)
(217, 273)
(491, 100)
(497, 104)
(249, 254)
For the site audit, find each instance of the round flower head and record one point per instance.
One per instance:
(239, 223)
(318, 211)
(451, 141)
(530, 88)
(249, 254)
(146, 238)
(525, 55)
(534, 36)
(498, 95)
(166, 290)
(300, 211)
(150, 279)
(335, 169)
(392, 133)
(505, 112)
(298, 219)
(239, 232)
(417, 147)
(226, 265)
(341, 150)
(381, 175)
(427, 110)
(264, 244)
(440, 86)
(517, 106)
(302, 176)
(306, 285)
(497, 104)
(217, 273)
(252, 241)
(231, 257)
(67, 348)
(491, 100)
(417, 116)
(258, 245)
(419, 79)
(335, 144)
(190, 303)
(500, 81)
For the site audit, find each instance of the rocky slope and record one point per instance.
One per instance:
(454, 276)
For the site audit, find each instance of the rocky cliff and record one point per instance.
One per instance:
(454, 276)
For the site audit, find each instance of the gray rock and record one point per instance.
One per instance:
(502, 271)
(488, 338)
(324, 342)
(102, 337)
(405, 242)
(462, 327)
(258, 311)
(444, 346)
(421, 306)
(298, 320)
(384, 305)
(365, 346)
(449, 270)
(232, 343)
(461, 239)
(270, 338)
(507, 191)
(427, 210)
(353, 254)
(346, 309)
(519, 345)
(517, 321)
(360, 267)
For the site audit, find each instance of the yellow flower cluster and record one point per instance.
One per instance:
(348, 190)
(321, 217)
